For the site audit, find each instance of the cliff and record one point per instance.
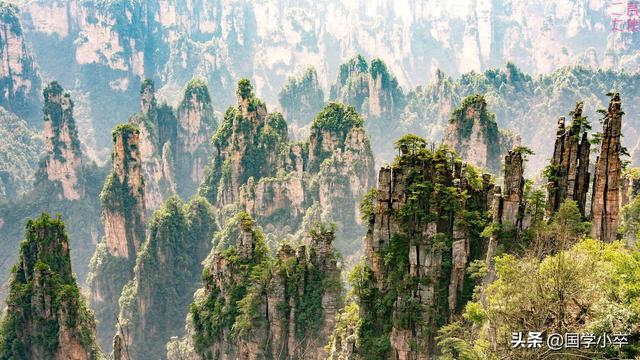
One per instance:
(605, 203)
(64, 182)
(123, 216)
(373, 90)
(158, 132)
(46, 316)
(196, 125)
(473, 134)
(321, 179)
(19, 76)
(254, 305)
(301, 98)
(508, 208)
(370, 88)
(568, 173)
(61, 166)
(153, 304)
(425, 221)
(340, 150)
(247, 144)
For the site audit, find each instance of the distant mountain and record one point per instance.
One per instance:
(104, 49)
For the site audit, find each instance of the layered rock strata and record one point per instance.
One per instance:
(256, 306)
(605, 204)
(569, 169)
(123, 216)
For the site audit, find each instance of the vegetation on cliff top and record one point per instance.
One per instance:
(153, 304)
(44, 299)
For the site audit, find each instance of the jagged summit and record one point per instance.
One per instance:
(174, 142)
(62, 164)
(196, 124)
(124, 218)
(46, 316)
(605, 203)
(247, 144)
(370, 87)
(301, 98)
(256, 305)
(329, 131)
(568, 174)
(473, 133)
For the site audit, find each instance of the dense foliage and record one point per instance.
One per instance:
(247, 130)
(153, 304)
(394, 303)
(335, 120)
(590, 288)
(19, 151)
(45, 306)
(240, 279)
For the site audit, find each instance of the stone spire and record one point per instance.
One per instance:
(62, 162)
(404, 224)
(512, 209)
(247, 144)
(569, 178)
(605, 206)
(46, 317)
(123, 209)
(147, 97)
(196, 125)
(21, 83)
(123, 215)
(157, 125)
(473, 134)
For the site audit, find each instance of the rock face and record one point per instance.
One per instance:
(61, 165)
(341, 153)
(123, 215)
(246, 145)
(512, 204)
(253, 306)
(568, 173)
(174, 148)
(46, 316)
(418, 246)
(301, 98)
(605, 206)
(167, 272)
(255, 168)
(507, 208)
(196, 124)
(19, 78)
(374, 92)
(157, 134)
(473, 134)
(370, 88)
(123, 195)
